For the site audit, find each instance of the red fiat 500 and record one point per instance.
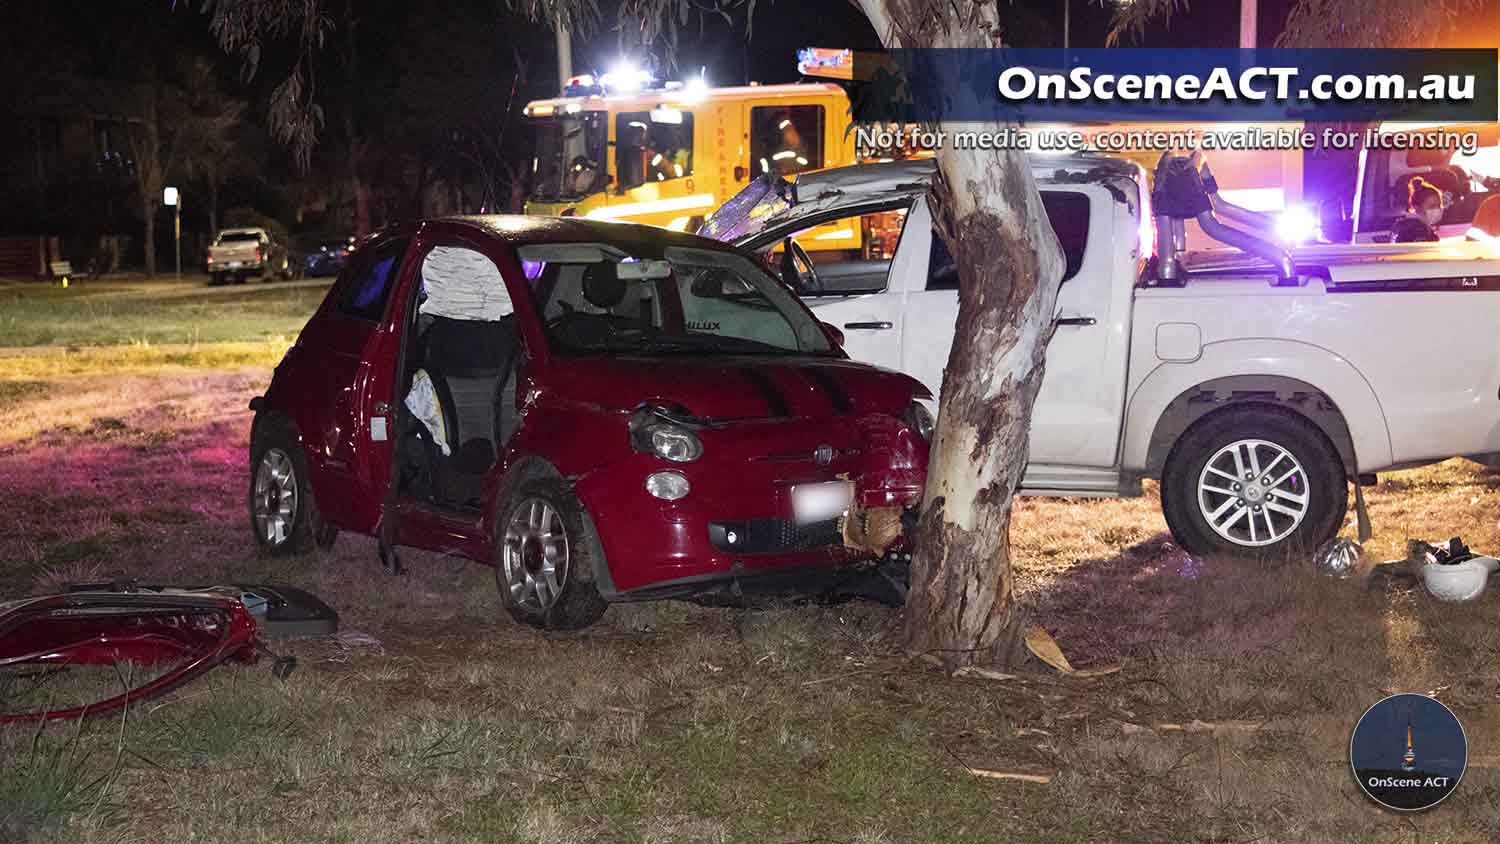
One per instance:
(604, 412)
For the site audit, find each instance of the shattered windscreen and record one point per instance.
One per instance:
(747, 211)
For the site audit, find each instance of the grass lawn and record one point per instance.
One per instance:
(673, 723)
(107, 313)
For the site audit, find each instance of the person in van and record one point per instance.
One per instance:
(790, 156)
(1424, 212)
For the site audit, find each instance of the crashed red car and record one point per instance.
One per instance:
(604, 412)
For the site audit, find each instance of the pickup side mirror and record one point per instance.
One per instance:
(835, 336)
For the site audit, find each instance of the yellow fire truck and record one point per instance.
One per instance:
(668, 156)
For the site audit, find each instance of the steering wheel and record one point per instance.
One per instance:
(797, 268)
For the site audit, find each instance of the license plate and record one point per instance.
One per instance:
(820, 502)
(234, 264)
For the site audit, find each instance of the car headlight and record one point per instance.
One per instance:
(653, 434)
(678, 445)
(920, 420)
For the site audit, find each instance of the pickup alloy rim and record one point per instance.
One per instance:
(275, 500)
(536, 555)
(1253, 492)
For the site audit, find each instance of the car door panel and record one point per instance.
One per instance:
(1075, 421)
(930, 314)
(1076, 418)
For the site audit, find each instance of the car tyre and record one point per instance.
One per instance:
(546, 550)
(284, 516)
(215, 279)
(1294, 501)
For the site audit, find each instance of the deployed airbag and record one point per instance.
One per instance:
(422, 400)
(463, 284)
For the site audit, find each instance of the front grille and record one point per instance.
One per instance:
(773, 536)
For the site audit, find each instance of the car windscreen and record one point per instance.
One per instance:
(570, 157)
(238, 237)
(598, 299)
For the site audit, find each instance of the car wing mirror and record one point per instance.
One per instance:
(835, 336)
(789, 274)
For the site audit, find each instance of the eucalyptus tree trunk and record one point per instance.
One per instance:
(148, 212)
(961, 603)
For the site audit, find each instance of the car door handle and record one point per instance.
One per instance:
(1075, 320)
(874, 326)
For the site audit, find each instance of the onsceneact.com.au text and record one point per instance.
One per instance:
(1081, 84)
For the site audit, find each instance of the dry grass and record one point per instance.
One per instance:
(102, 313)
(672, 723)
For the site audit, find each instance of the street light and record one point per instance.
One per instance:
(169, 197)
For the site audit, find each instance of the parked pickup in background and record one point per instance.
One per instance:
(1252, 382)
(240, 254)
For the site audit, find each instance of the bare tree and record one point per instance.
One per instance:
(154, 147)
(213, 147)
(183, 123)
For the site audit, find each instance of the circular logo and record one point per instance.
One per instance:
(1408, 752)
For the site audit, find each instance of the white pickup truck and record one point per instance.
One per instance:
(1254, 386)
(244, 253)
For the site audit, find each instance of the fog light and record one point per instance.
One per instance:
(668, 486)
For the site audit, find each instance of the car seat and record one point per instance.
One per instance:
(467, 361)
(602, 286)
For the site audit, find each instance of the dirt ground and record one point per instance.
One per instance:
(674, 723)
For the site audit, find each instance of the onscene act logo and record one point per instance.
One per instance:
(1408, 752)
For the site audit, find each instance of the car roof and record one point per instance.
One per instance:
(877, 183)
(888, 179)
(521, 230)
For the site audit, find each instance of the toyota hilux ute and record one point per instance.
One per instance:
(245, 253)
(1252, 381)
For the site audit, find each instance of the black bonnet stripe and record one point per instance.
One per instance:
(831, 387)
(775, 401)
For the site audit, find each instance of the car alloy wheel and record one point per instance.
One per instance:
(536, 555)
(1253, 492)
(274, 501)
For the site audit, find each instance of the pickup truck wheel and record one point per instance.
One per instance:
(283, 513)
(1254, 481)
(545, 558)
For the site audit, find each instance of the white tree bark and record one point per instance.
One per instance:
(1009, 264)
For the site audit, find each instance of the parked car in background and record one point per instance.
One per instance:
(602, 411)
(325, 256)
(245, 253)
(1253, 382)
